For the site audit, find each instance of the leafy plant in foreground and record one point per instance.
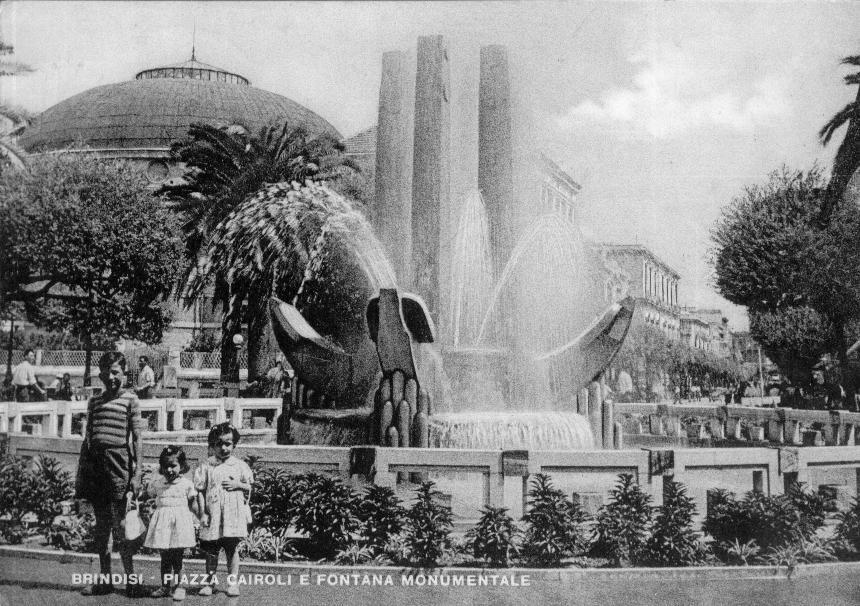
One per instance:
(493, 539)
(553, 524)
(383, 517)
(673, 541)
(427, 535)
(327, 510)
(622, 524)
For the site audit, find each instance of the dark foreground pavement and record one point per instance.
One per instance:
(38, 582)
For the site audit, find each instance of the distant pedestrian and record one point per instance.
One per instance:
(739, 392)
(145, 379)
(275, 380)
(64, 389)
(27, 388)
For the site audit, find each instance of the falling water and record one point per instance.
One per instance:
(347, 225)
(544, 277)
(471, 273)
(511, 430)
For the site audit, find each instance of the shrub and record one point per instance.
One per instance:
(356, 554)
(673, 541)
(73, 533)
(427, 534)
(849, 525)
(382, 516)
(493, 539)
(810, 506)
(264, 545)
(54, 487)
(16, 486)
(622, 524)
(327, 511)
(770, 521)
(272, 498)
(29, 490)
(741, 553)
(553, 524)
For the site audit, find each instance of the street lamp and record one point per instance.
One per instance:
(231, 387)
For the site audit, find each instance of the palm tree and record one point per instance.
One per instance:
(224, 166)
(847, 157)
(277, 241)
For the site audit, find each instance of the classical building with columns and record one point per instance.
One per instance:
(632, 270)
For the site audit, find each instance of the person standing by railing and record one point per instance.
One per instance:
(24, 380)
(145, 379)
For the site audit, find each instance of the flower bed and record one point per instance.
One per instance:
(318, 518)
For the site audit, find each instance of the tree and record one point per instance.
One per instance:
(793, 337)
(773, 256)
(307, 245)
(226, 165)
(847, 157)
(88, 249)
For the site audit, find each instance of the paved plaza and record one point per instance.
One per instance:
(43, 582)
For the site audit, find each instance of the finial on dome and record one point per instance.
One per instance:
(193, 40)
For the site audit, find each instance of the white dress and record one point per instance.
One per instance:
(229, 514)
(172, 524)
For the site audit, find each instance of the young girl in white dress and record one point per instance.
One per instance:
(223, 484)
(171, 528)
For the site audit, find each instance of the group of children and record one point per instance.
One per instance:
(217, 493)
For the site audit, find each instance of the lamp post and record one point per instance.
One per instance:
(231, 387)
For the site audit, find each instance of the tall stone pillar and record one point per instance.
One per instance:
(430, 168)
(392, 210)
(495, 151)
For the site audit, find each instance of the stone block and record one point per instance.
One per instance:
(774, 431)
(656, 424)
(717, 429)
(591, 502)
(812, 438)
(836, 496)
(756, 434)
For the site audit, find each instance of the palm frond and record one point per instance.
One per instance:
(841, 117)
(851, 60)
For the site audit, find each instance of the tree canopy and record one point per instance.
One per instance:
(847, 159)
(87, 248)
(225, 166)
(773, 256)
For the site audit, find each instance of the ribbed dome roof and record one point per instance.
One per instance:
(150, 113)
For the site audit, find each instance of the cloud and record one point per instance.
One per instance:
(674, 93)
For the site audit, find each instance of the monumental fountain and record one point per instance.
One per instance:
(481, 336)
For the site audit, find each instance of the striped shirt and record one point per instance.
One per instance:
(109, 420)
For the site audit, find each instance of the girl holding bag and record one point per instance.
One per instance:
(171, 528)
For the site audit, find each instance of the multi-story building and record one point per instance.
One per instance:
(632, 270)
(695, 332)
(720, 334)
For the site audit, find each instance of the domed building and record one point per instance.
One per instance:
(137, 120)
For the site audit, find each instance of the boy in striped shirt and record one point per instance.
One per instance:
(110, 467)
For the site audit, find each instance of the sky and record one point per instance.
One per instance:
(663, 112)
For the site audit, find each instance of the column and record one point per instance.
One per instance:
(430, 167)
(495, 151)
(392, 208)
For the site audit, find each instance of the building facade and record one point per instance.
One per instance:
(632, 270)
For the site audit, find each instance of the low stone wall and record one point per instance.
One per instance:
(65, 418)
(703, 423)
(500, 478)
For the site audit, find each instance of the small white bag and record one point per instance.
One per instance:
(132, 524)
